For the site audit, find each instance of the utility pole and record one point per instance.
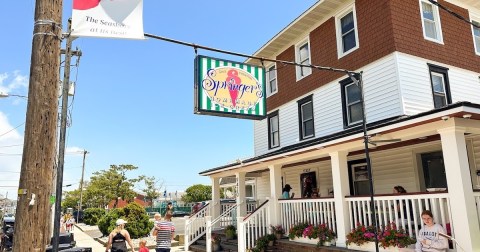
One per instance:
(39, 148)
(61, 144)
(81, 184)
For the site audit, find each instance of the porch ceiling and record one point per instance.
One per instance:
(409, 129)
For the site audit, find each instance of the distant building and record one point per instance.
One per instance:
(139, 199)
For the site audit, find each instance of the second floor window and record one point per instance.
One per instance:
(432, 29)
(347, 34)
(351, 103)
(272, 80)
(273, 130)
(440, 86)
(305, 114)
(476, 36)
(302, 56)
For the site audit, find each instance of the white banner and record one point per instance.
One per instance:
(108, 18)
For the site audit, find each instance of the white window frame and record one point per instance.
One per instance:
(475, 18)
(444, 93)
(307, 70)
(269, 90)
(271, 133)
(438, 23)
(303, 121)
(338, 28)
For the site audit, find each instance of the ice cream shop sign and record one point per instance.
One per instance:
(231, 89)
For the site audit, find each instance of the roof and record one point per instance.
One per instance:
(339, 135)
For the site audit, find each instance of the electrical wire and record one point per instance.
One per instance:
(12, 130)
(454, 14)
(7, 146)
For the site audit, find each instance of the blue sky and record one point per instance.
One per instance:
(134, 99)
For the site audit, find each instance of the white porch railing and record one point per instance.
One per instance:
(311, 211)
(476, 196)
(254, 226)
(228, 217)
(251, 206)
(196, 225)
(402, 209)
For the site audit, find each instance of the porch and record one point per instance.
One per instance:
(419, 146)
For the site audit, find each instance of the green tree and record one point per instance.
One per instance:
(197, 193)
(152, 188)
(112, 184)
(71, 199)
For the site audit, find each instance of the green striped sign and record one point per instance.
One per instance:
(231, 89)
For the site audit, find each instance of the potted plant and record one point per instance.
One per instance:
(391, 236)
(230, 232)
(216, 239)
(297, 230)
(262, 244)
(270, 239)
(278, 231)
(361, 238)
(326, 235)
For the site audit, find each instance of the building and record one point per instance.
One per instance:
(420, 68)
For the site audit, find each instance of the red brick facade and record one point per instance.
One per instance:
(384, 26)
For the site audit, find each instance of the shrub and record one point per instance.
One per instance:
(230, 232)
(361, 234)
(138, 224)
(325, 233)
(91, 216)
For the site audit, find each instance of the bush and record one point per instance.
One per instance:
(138, 224)
(297, 230)
(91, 216)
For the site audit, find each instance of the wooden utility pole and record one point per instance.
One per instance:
(39, 149)
(81, 185)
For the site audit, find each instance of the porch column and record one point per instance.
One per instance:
(341, 188)
(275, 193)
(242, 208)
(464, 216)
(215, 208)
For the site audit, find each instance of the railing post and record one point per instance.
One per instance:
(208, 233)
(187, 233)
(241, 234)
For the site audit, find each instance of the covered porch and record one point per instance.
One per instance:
(421, 145)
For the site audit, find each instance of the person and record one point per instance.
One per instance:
(62, 225)
(431, 237)
(156, 223)
(169, 208)
(118, 237)
(143, 246)
(401, 190)
(69, 224)
(165, 234)
(307, 187)
(286, 192)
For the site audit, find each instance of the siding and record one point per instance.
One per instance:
(416, 88)
(476, 161)
(381, 93)
(291, 175)
(263, 187)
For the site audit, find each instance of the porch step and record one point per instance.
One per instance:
(284, 245)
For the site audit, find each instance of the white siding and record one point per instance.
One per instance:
(263, 187)
(476, 161)
(291, 175)
(382, 101)
(416, 88)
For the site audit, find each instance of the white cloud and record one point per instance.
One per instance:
(11, 148)
(13, 84)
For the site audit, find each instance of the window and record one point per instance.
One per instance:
(432, 30)
(272, 80)
(305, 114)
(358, 177)
(476, 36)
(347, 34)
(273, 130)
(434, 170)
(302, 56)
(351, 103)
(440, 86)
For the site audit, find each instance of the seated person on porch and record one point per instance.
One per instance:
(432, 236)
(400, 190)
(286, 192)
(315, 193)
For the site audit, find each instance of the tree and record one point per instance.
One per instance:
(152, 188)
(111, 184)
(197, 193)
(72, 198)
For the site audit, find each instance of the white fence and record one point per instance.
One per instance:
(195, 225)
(254, 226)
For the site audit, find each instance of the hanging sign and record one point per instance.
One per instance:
(229, 89)
(108, 18)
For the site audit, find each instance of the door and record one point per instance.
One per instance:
(434, 170)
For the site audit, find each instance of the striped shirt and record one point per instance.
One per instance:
(164, 235)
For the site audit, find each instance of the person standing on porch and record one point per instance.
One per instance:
(431, 237)
(286, 192)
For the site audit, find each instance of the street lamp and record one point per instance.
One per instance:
(4, 95)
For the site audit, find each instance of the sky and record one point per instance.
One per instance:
(133, 100)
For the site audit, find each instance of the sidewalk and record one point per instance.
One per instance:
(84, 240)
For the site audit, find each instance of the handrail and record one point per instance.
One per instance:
(195, 225)
(199, 210)
(224, 214)
(258, 208)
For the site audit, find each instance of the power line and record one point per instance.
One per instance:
(6, 146)
(12, 130)
(195, 46)
(454, 14)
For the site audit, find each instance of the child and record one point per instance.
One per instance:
(430, 237)
(143, 246)
(156, 224)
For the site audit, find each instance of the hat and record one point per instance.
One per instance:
(288, 187)
(120, 222)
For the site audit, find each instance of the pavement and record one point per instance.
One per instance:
(83, 239)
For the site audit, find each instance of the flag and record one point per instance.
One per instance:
(108, 18)
(165, 193)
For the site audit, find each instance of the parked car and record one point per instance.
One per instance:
(180, 213)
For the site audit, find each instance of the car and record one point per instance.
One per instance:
(180, 213)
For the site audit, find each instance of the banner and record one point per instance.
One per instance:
(108, 18)
(230, 89)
